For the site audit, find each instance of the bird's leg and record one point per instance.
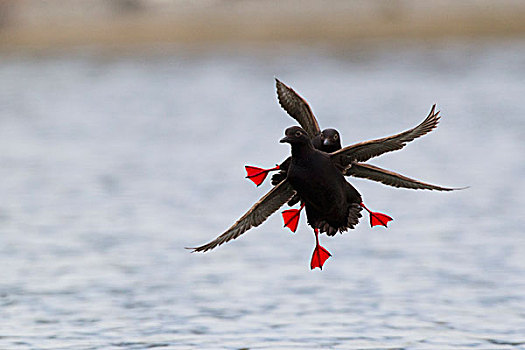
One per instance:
(377, 218)
(291, 218)
(257, 175)
(320, 254)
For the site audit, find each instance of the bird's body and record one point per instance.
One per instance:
(327, 141)
(332, 204)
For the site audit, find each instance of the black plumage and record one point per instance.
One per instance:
(353, 156)
(257, 214)
(327, 141)
(332, 204)
(349, 162)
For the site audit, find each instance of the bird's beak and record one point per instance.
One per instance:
(327, 142)
(285, 139)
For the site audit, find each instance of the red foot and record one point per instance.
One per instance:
(257, 175)
(291, 218)
(320, 254)
(377, 218)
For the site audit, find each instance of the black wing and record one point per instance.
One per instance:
(297, 108)
(257, 214)
(391, 178)
(363, 151)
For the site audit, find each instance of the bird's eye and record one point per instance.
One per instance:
(298, 133)
(336, 137)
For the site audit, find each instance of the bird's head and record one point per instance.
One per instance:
(330, 140)
(295, 135)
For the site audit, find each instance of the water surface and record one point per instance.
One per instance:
(111, 165)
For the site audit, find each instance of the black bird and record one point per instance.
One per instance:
(332, 204)
(348, 160)
(329, 140)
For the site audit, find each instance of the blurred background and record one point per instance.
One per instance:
(124, 129)
(55, 24)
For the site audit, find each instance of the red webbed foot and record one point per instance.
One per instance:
(377, 218)
(291, 218)
(320, 254)
(257, 175)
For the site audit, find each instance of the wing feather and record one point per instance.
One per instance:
(257, 214)
(297, 108)
(363, 151)
(390, 178)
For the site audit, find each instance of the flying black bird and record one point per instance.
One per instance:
(329, 140)
(332, 204)
(348, 160)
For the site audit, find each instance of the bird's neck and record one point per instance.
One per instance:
(301, 150)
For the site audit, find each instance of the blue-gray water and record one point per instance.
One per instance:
(109, 166)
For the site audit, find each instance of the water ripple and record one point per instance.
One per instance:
(110, 167)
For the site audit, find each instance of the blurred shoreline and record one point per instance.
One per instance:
(120, 24)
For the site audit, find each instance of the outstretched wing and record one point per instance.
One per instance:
(297, 108)
(257, 214)
(363, 151)
(391, 178)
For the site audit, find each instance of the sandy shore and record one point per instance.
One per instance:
(58, 24)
